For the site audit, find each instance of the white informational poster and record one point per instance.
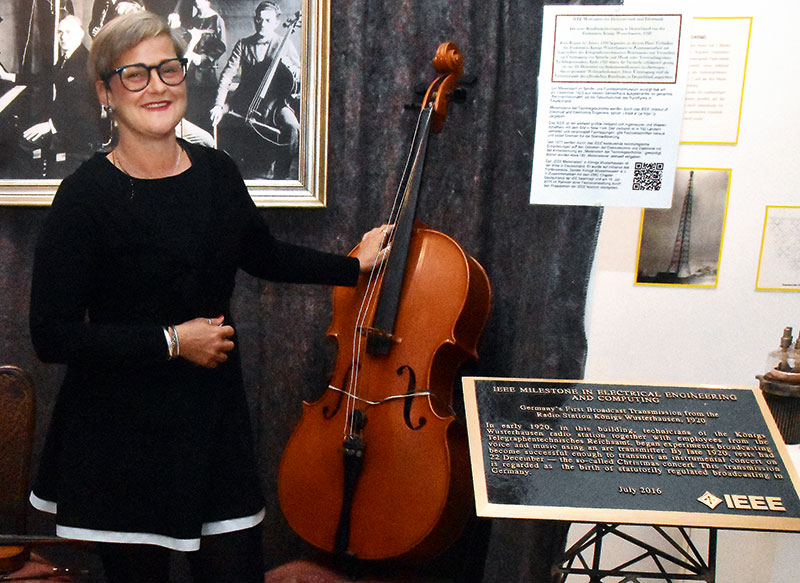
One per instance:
(779, 263)
(714, 88)
(610, 105)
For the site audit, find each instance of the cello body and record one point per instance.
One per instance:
(378, 467)
(414, 493)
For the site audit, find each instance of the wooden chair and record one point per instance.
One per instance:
(17, 412)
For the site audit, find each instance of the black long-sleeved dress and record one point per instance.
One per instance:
(142, 448)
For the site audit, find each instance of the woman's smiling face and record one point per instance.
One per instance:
(154, 111)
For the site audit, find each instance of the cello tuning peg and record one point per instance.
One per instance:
(420, 89)
(459, 95)
(468, 80)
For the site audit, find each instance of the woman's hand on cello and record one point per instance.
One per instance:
(205, 341)
(374, 247)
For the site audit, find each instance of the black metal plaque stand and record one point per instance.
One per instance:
(679, 561)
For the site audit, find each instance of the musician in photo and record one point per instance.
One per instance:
(205, 40)
(6, 75)
(171, 10)
(105, 10)
(257, 123)
(71, 132)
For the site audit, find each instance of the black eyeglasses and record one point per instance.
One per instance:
(137, 76)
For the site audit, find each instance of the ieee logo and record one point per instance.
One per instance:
(743, 502)
(709, 500)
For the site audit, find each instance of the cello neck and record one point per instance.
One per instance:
(379, 339)
(380, 336)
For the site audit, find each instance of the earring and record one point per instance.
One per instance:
(106, 113)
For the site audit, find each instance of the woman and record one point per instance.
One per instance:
(150, 441)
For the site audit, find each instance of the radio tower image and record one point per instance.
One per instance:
(678, 269)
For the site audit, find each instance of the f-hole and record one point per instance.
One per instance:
(327, 413)
(409, 400)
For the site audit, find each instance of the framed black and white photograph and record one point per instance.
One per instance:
(257, 80)
(682, 245)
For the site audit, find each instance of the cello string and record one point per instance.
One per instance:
(415, 155)
(417, 393)
(411, 177)
(368, 300)
(401, 196)
(399, 203)
(372, 286)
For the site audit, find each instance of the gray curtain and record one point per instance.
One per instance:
(476, 189)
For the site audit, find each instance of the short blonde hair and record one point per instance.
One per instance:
(127, 31)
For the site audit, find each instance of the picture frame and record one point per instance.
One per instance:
(681, 246)
(34, 184)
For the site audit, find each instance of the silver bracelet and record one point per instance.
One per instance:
(171, 343)
(176, 341)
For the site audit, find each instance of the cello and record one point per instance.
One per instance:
(378, 467)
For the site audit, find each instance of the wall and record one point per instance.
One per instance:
(662, 334)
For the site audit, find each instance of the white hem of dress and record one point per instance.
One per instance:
(178, 544)
(43, 505)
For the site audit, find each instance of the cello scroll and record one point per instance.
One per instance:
(450, 64)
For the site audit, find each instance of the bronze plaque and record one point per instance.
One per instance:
(631, 454)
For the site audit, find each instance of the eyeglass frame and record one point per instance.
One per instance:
(184, 62)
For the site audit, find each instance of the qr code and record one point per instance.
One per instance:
(647, 175)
